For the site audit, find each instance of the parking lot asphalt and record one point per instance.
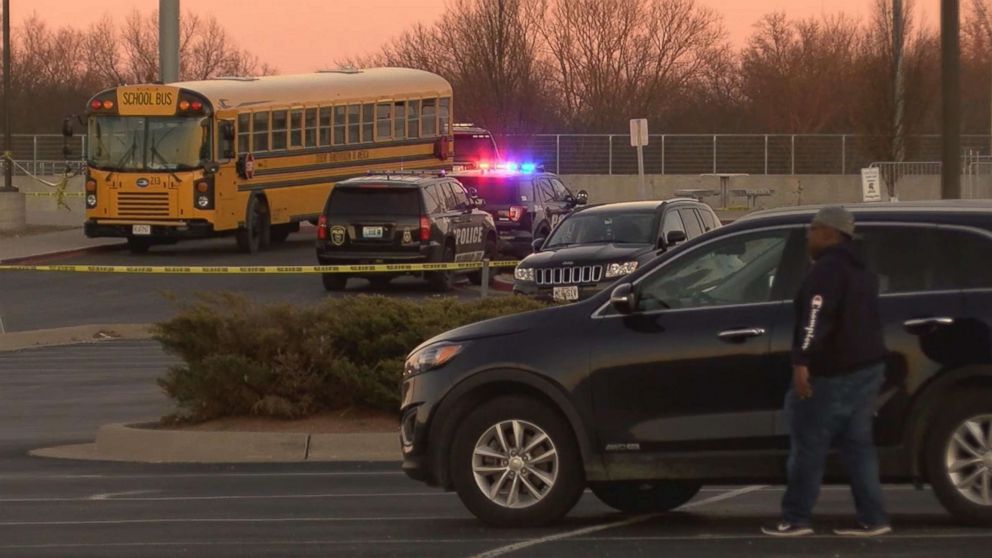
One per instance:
(36, 300)
(67, 508)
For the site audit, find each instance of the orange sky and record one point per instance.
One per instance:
(304, 35)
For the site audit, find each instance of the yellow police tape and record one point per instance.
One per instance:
(53, 194)
(258, 270)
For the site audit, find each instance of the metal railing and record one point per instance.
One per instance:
(768, 154)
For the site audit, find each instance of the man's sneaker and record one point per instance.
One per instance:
(864, 531)
(786, 529)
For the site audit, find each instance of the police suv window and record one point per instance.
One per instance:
(459, 195)
(543, 189)
(561, 192)
(435, 202)
(737, 270)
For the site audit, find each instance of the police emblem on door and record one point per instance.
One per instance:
(407, 237)
(337, 235)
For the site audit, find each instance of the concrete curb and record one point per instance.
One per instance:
(45, 256)
(142, 444)
(74, 335)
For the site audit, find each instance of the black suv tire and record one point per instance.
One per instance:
(334, 281)
(443, 281)
(472, 454)
(973, 407)
(646, 496)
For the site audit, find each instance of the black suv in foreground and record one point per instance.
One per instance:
(676, 377)
(403, 218)
(525, 203)
(595, 246)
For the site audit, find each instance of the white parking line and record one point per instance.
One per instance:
(180, 520)
(114, 497)
(432, 541)
(597, 528)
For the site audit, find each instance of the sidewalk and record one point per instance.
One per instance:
(18, 248)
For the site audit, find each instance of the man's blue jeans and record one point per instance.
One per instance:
(842, 410)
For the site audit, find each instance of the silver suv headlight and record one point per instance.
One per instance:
(524, 274)
(620, 269)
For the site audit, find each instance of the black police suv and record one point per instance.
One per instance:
(525, 203)
(676, 377)
(596, 245)
(403, 218)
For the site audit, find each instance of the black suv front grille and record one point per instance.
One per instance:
(568, 275)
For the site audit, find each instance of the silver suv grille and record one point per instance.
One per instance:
(569, 275)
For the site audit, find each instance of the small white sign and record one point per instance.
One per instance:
(638, 132)
(871, 184)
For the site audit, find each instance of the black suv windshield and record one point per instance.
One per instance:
(619, 228)
(374, 199)
(500, 190)
(136, 143)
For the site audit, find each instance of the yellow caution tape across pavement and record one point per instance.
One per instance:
(54, 194)
(258, 270)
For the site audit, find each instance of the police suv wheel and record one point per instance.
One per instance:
(443, 281)
(515, 463)
(959, 457)
(334, 281)
(646, 496)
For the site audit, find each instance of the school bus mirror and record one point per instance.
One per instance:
(210, 167)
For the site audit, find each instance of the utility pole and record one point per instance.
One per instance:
(168, 40)
(950, 14)
(8, 166)
(899, 84)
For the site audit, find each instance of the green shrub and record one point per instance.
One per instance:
(284, 361)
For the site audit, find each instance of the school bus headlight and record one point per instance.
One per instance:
(203, 201)
(91, 200)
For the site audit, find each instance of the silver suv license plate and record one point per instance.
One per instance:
(565, 294)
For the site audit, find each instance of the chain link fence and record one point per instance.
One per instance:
(770, 154)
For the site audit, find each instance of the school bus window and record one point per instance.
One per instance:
(325, 125)
(296, 128)
(340, 125)
(413, 119)
(260, 131)
(383, 121)
(399, 120)
(428, 118)
(310, 138)
(368, 111)
(280, 121)
(354, 123)
(244, 132)
(444, 116)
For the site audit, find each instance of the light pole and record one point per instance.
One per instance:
(168, 41)
(899, 85)
(950, 183)
(8, 167)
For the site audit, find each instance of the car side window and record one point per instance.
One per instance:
(741, 269)
(459, 196)
(967, 266)
(709, 221)
(693, 227)
(543, 191)
(434, 203)
(446, 196)
(561, 192)
(671, 223)
(903, 258)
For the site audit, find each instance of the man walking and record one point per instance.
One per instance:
(838, 369)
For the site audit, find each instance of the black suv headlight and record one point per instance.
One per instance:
(430, 357)
(525, 274)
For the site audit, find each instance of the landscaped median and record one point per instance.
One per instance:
(279, 382)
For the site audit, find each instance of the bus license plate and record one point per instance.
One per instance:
(141, 230)
(565, 294)
(372, 232)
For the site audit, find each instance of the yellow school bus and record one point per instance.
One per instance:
(253, 157)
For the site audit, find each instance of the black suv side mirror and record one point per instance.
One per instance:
(582, 198)
(674, 237)
(624, 299)
(537, 244)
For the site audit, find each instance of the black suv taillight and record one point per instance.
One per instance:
(425, 228)
(322, 228)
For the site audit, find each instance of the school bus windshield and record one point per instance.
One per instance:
(139, 143)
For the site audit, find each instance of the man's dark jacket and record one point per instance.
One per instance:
(838, 325)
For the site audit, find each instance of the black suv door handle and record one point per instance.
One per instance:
(928, 322)
(741, 334)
